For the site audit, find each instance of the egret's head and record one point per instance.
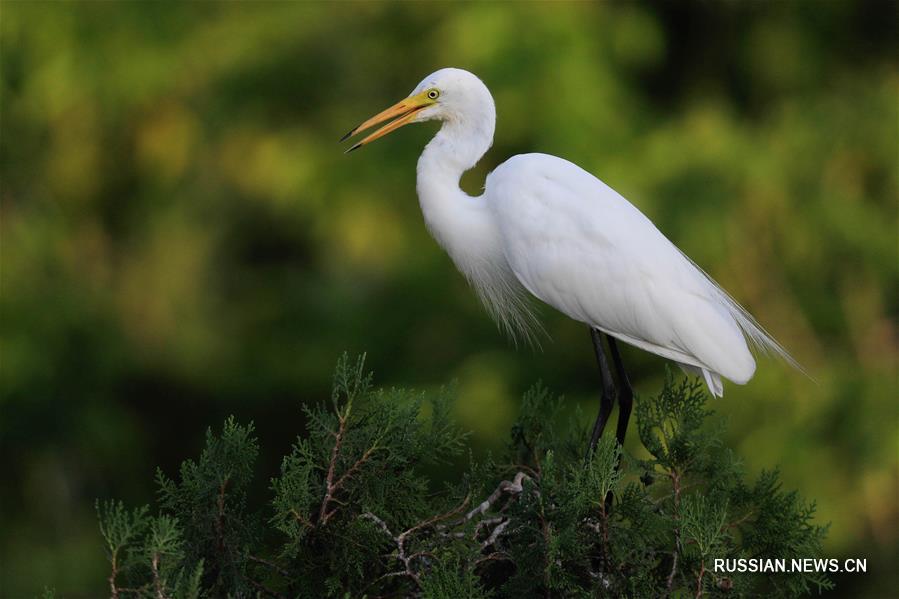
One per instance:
(446, 95)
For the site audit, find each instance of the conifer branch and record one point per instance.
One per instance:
(220, 516)
(553, 537)
(157, 583)
(113, 590)
(352, 469)
(323, 514)
(604, 531)
(699, 579)
(740, 520)
(299, 518)
(675, 482)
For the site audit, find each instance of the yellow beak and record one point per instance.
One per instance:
(403, 111)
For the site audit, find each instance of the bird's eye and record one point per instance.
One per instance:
(433, 94)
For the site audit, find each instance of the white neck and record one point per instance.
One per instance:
(459, 222)
(464, 225)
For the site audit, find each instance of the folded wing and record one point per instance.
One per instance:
(579, 246)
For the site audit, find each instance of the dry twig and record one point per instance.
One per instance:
(157, 583)
(495, 534)
(513, 487)
(499, 523)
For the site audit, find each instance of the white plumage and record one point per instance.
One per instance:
(548, 228)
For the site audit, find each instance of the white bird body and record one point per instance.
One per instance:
(628, 280)
(546, 227)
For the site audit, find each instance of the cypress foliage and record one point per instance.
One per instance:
(354, 514)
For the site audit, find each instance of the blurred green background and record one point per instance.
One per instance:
(183, 237)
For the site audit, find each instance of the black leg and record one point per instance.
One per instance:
(607, 398)
(625, 392)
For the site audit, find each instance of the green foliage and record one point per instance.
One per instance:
(354, 511)
(146, 554)
(210, 500)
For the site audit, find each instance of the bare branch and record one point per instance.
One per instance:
(379, 522)
(157, 583)
(487, 523)
(400, 540)
(495, 534)
(323, 514)
(673, 570)
(513, 488)
(438, 518)
(699, 579)
(352, 469)
(113, 590)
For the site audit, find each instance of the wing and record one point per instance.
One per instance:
(579, 246)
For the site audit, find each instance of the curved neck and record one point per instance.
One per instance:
(465, 226)
(459, 144)
(455, 219)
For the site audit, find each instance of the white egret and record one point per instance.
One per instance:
(545, 226)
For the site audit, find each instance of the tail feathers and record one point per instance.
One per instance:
(712, 379)
(713, 382)
(758, 338)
